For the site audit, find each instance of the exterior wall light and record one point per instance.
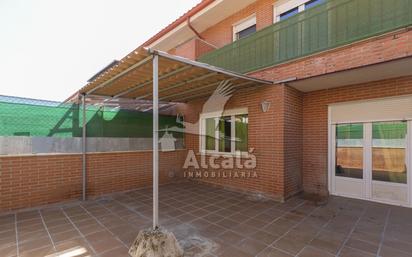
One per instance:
(265, 106)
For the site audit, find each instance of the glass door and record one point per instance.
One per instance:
(389, 162)
(348, 160)
(372, 161)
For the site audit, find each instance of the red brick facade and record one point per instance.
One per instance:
(295, 148)
(275, 136)
(192, 49)
(268, 150)
(222, 33)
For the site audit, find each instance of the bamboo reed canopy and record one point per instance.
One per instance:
(180, 79)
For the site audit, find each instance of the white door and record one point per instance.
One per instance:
(388, 161)
(349, 176)
(371, 161)
(370, 151)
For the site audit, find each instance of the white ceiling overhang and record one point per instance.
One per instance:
(206, 18)
(369, 73)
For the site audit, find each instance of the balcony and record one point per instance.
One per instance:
(327, 26)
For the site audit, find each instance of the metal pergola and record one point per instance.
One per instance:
(174, 80)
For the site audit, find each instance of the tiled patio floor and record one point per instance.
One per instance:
(211, 222)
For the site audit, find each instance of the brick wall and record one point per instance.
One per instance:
(114, 172)
(315, 121)
(192, 49)
(30, 181)
(293, 132)
(221, 34)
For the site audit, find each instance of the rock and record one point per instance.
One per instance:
(155, 243)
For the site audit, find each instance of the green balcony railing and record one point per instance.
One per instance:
(329, 25)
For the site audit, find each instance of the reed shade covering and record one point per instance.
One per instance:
(180, 79)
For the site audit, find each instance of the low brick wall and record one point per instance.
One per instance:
(34, 180)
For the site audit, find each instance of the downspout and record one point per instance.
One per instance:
(189, 24)
(193, 29)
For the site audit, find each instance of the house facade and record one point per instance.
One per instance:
(339, 110)
(336, 118)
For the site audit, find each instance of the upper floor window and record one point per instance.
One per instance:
(288, 8)
(288, 14)
(244, 28)
(313, 3)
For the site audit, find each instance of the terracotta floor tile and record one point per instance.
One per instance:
(251, 246)
(289, 245)
(64, 236)
(102, 246)
(118, 252)
(8, 251)
(272, 252)
(313, 252)
(233, 224)
(35, 243)
(351, 252)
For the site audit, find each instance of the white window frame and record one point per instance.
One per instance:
(243, 24)
(283, 6)
(217, 116)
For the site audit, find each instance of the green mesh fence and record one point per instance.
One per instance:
(329, 25)
(48, 119)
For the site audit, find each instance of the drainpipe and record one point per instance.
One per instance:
(193, 29)
(189, 24)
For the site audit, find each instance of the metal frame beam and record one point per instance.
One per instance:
(121, 74)
(155, 141)
(84, 149)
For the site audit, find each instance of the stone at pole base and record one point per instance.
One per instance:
(155, 243)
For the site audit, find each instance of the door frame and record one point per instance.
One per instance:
(367, 162)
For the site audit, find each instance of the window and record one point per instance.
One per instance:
(245, 28)
(246, 32)
(349, 151)
(287, 9)
(289, 13)
(389, 152)
(226, 134)
(313, 3)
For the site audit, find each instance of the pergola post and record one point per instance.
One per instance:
(84, 123)
(155, 141)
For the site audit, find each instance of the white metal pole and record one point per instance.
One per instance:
(155, 141)
(84, 147)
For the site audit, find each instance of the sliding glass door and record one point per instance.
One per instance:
(372, 161)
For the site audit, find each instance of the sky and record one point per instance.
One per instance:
(50, 48)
